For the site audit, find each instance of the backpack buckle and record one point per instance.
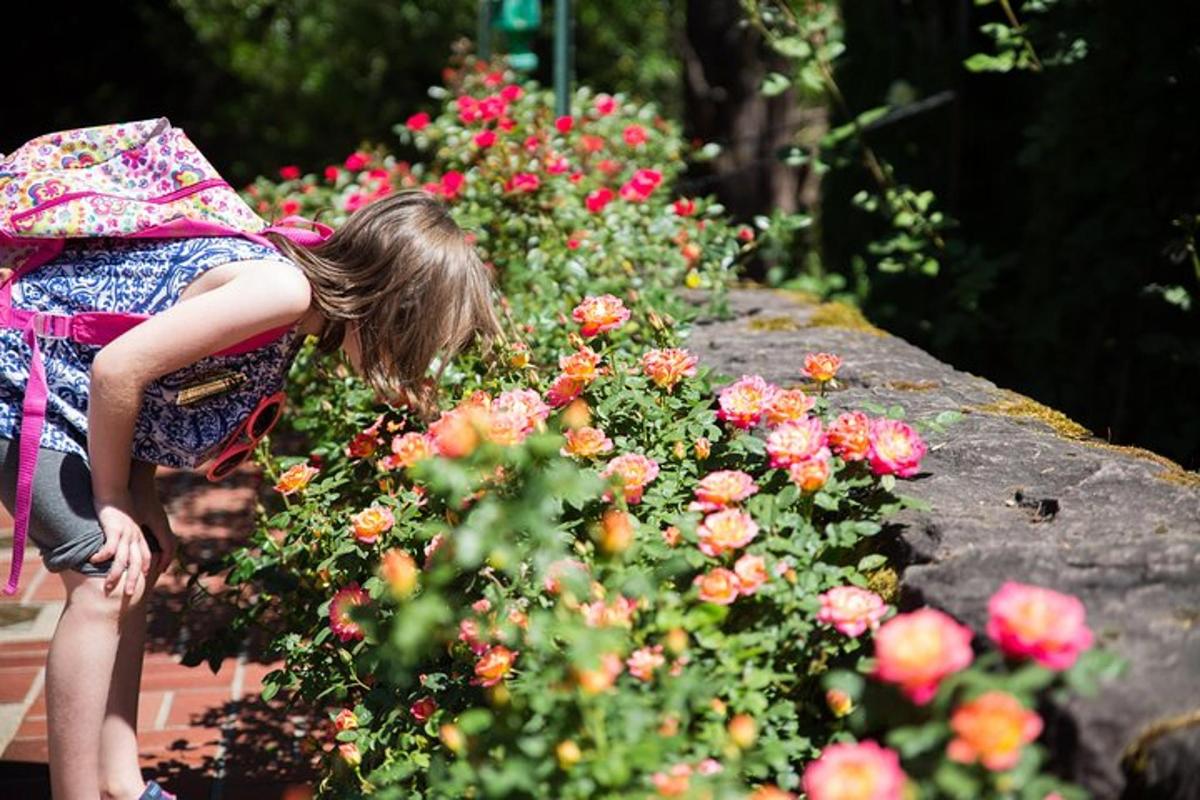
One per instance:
(52, 326)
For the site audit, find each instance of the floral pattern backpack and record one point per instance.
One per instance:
(140, 179)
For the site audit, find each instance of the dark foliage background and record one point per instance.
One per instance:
(1067, 184)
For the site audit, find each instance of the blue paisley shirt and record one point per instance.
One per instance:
(139, 276)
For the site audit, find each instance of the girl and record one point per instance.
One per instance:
(395, 287)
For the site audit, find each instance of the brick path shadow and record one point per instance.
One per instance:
(261, 745)
(211, 521)
(259, 757)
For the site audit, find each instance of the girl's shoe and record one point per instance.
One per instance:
(155, 792)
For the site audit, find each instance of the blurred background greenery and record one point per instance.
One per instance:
(1064, 194)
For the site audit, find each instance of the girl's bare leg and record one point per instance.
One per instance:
(79, 672)
(120, 771)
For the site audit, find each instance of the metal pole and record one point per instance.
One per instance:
(483, 31)
(563, 53)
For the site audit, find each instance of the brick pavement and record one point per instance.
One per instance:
(202, 735)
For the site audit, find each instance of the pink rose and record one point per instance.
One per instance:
(1042, 624)
(851, 610)
(862, 771)
(916, 651)
(896, 449)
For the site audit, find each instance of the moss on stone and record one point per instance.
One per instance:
(1171, 472)
(774, 324)
(841, 315)
(803, 298)
(912, 386)
(1180, 477)
(1020, 406)
(1136, 757)
(1013, 404)
(885, 582)
(1187, 617)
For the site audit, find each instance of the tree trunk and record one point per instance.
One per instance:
(724, 65)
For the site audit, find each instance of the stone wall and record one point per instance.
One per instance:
(1020, 491)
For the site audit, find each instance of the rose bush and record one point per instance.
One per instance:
(603, 571)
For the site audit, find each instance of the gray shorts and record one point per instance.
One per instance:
(63, 522)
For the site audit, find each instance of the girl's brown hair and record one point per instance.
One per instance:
(403, 271)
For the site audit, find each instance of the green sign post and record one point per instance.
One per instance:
(519, 21)
(564, 54)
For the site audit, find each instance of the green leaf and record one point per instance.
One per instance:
(705, 614)
(792, 47)
(826, 501)
(873, 561)
(913, 740)
(475, 721)
(916, 503)
(269, 690)
(844, 680)
(957, 781)
(948, 417)
(1029, 679)
(982, 62)
(775, 84)
(871, 115)
(1092, 668)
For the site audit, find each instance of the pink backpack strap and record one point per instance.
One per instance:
(290, 227)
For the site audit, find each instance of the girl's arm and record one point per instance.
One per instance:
(269, 295)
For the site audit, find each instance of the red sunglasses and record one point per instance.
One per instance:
(260, 422)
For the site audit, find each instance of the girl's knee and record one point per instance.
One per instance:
(87, 594)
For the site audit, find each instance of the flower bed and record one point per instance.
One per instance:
(596, 574)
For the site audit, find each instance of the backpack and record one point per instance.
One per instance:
(140, 179)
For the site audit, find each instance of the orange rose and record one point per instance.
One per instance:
(494, 665)
(601, 314)
(586, 442)
(399, 570)
(787, 405)
(992, 729)
(849, 435)
(743, 730)
(295, 479)
(567, 753)
(581, 366)
(407, 450)
(369, 523)
(456, 433)
(577, 414)
(718, 586)
(453, 737)
(810, 474)
(669, 366)
(838, 702)
(602, 678)
(821, 367)
(616, 531)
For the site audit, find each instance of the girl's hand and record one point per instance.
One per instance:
(123, 542)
